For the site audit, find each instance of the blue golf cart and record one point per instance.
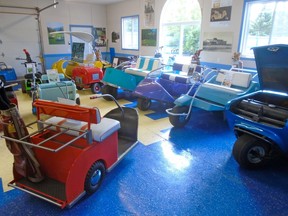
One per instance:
(259, 120)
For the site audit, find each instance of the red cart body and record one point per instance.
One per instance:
(67, 155)
(88, 77)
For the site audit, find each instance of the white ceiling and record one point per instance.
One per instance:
(106, 2)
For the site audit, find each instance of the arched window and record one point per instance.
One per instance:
(180, 25)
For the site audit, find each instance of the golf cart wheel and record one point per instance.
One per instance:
(79, 88)
(143, 103)
(250, 152)
(106, 89)
(96, 87)
(179, 121)
(23, 86)
(94, 177)
(77, 101)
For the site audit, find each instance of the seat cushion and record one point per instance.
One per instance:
(100, 131)
(144, 66)
(175, 77)
(221, 88)
(240, 79)
(181, 68)
(137, 72)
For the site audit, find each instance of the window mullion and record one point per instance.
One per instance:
(273, 19)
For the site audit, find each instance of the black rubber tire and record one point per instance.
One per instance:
(94, 177)
(96, 88)
(23, 86)
(251, 152)
(79, 88)
(77, 101)
(143, 104)
(106, 89)
(179, 121)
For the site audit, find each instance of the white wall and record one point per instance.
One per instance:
(232, 26)
(136, 7)
(21, 31)
(114, 14)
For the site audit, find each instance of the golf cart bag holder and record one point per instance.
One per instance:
(25, 163)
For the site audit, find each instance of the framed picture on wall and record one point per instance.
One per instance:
(78, 52)
(100, 40)
(58, 38)
(218, 41)
(149, 12)
(115, 37)
(220, 14)
(149, 37)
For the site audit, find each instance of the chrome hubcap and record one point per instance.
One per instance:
(256, 154)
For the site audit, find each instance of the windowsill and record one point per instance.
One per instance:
(247, 58)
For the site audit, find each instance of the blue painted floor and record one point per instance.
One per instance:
(191, 173)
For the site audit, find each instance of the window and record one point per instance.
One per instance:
(180, 27)
(130, 32)
(264, 23)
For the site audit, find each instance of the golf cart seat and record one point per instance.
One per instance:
(100, 131)
(179, 81)
(214, 94)
(179, 74)
(144, 66)
(230, 81)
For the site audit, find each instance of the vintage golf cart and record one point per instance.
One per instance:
(55, 86)
(32, 76)
(7, 73)
(213, 94)
(72, 149)
(128, 78)
(85, 72)
(259, 120)
(167, 87)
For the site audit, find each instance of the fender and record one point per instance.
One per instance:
(260, 133)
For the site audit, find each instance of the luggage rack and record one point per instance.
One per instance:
(82, 133)
(50, 108)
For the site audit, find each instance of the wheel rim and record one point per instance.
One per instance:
(256, 154)
(96, 87)
(182, 118)
(145, 104)
(96, 177)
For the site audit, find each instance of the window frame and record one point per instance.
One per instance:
(244, 28)
(122, 33)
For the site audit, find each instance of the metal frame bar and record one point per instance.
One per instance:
(39, 145)
(37, 14)
(37, 195)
